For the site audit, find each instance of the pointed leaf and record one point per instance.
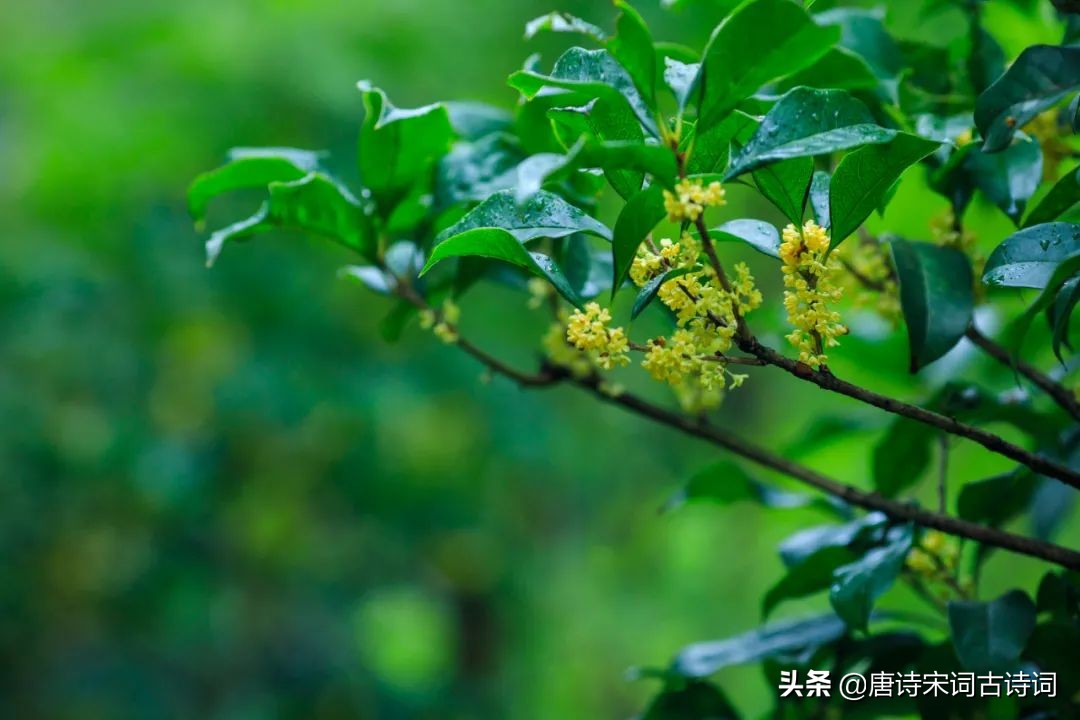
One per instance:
(787, 184)
(1028, 258)
(633, 48)
(249, 168)
(856, 587)
(560, 22)
(806, 122)
(603, 120)
(992, 635)
(760, 235)
(819, 197)
(936, 297)
(545, 215)
(1008, 178)
(864, 177)
(758, 43)
(1040, 77)
(1062, 196)
(499, 244)
(648, 291)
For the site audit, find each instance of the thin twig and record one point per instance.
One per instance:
(943, 472)
(1057, 392)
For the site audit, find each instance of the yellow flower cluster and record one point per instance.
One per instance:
(560, 352)
(691, 359)
(588, 331)
(943, 231)
(690, 199)
(869, 278)
(443, 323)
(935, 557)
(810, 288)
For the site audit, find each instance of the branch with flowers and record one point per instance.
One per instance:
(780, 103)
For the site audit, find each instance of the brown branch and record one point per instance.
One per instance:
(994, 443)
(1058, 393)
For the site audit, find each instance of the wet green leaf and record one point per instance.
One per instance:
(545, 215)
(1062, 196)
(807, 122)
(857, 586)
(1040, 77)
(1008, 178)
(786, 184)
(560, 22)
(760, 235)
(633, 48)
(1028, 258)
(603, 120)
(499, 244)
(249, 168)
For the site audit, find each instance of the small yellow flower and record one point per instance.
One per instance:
(588, 331)
(964, 138)
(1045, 128)
(560, 352)
(809, 290)
(920, 562)
(690, 199)
(539, 292)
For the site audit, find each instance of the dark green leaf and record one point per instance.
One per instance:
(806, 122)
(819, 197)
(725, 482)
(787, 184)
(986, 62)
(560, 22)
(762, 236)
(864, 177)
(498, 244)
(655, 160)
(864, 33)
(780, 639)
(996, 500)
(545, 215)
(1040, 77)
(856, 587)
(758, 43)
(638, 218)
(603, 120)
(249, 168)
(316, 205)
(1028, 258)
(398, 146)
(1008, 178)
(838, 68)
(801, 546)
(813, 575)
(1059, 313)
(902, 455)
(633, 48)
(936, 296)
(1063, 195)
(992, 635)
(712, 147)
(648, 291)
(472, 171)
(593, 73)
(694, 700)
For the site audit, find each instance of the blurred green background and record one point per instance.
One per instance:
(224, 496)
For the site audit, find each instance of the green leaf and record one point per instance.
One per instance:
(654, 160)
(762, 236)
(249, 168)
(1062, 196)
(856, 587)
(1008, 178)
(996, 500)
(992, 635)
(711, 148)
(786, 185)
(592, 73)
(397, 147)
(474, 120)
(648, 291)
(1040, 77)
(758, 43)
(863, 33)
(800, 547)
(936, 296)
(1059, 314)
(810, 577)
(838, 68)
(864, 177)
(499, 244)
(679, 77)
(819, 197)
(806, 122)
(902, 455)
(560, 22)
(1063, 273)
(316, 205)
(603, 120)
(545, 215)
(472, 171)
(725, 482)
(694, 700)
(1028, 258)
(633, 48)
(779, 639)
(638, 218)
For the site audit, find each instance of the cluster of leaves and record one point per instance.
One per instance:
(821, 114)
